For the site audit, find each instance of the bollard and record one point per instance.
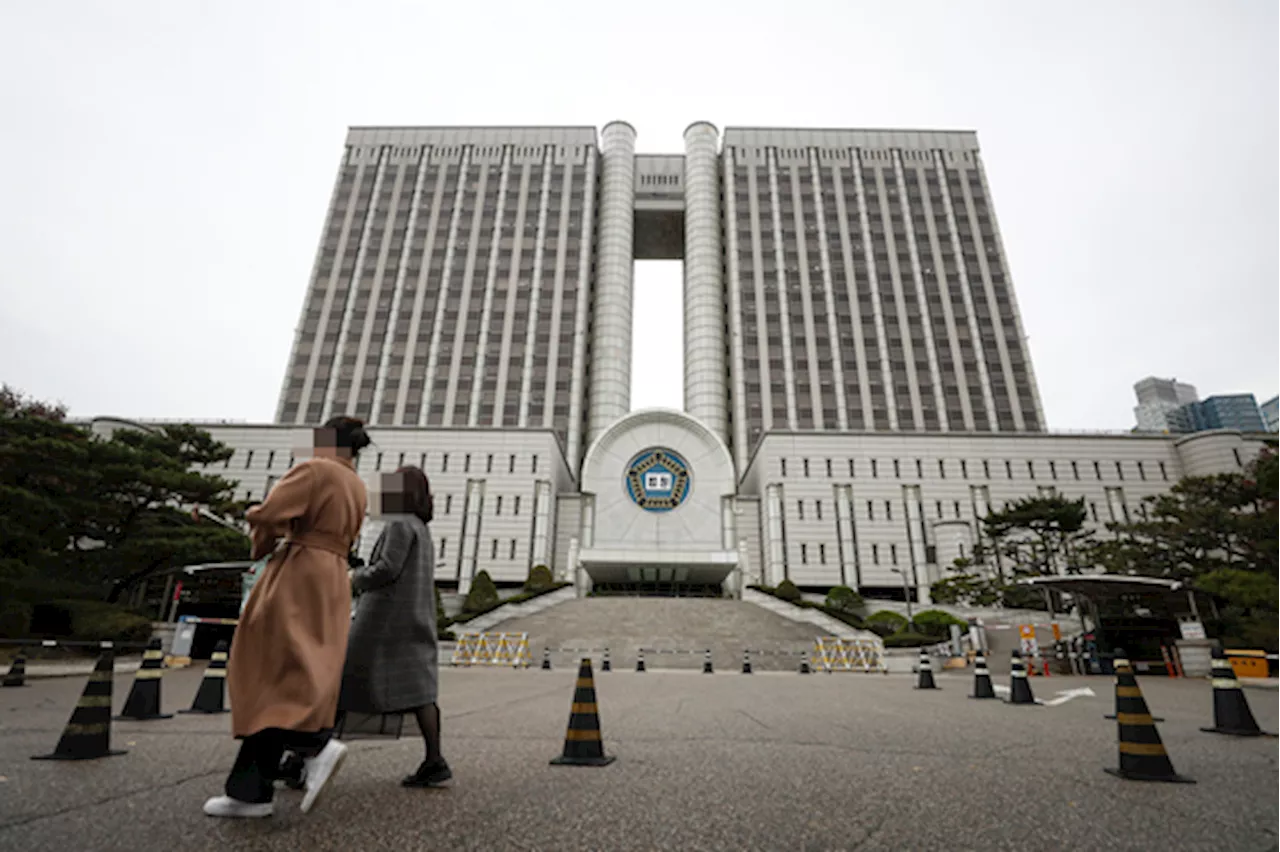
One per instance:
(546, 658)
(640, 660)
(606, 665)
(925, 681)
(706, 663)
(746, 662)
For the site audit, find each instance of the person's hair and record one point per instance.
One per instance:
(416, 497)
(348, 432)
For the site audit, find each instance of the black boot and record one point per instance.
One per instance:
(429, 775)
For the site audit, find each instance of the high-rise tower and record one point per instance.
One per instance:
(834, 280)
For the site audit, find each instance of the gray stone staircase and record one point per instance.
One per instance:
(626, 624)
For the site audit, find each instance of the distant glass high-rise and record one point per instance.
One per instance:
(1228, 411)
(1271, 414)
(1158, 399)
(835, 280)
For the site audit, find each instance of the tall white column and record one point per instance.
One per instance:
(610, 392)
(706, 393)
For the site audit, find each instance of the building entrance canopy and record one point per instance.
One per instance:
(635, 566)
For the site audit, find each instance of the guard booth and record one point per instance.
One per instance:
(1156, 621)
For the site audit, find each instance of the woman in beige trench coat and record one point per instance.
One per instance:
(285, 668)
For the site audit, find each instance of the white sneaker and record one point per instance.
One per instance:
(225, 806)
(320, 770)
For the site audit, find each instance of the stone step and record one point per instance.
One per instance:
(693, 625)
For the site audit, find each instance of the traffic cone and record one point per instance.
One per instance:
(209, 697)
(87, 735)
(143, 702)
(804, 665)
(17, 675)
(546, 658)
(606, 665)
(1231, 713)
(925, 681)
(1142, 754)
(746, 662)
(582, 744)
(640, 660)
(982, 687)
(1019, 688)
(1121, 661)
(706, 663)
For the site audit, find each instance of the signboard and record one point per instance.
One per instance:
(1027, 637)
(1191, 629)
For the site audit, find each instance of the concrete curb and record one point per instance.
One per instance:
(46, 671)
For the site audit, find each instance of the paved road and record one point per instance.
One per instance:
(705, 762)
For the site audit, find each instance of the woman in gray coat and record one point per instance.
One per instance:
(393, 652)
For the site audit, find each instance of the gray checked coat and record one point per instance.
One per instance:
(392, 654)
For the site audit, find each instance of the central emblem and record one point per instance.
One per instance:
(658, 480)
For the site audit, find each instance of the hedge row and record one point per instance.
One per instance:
(466, 616)
(782, 592)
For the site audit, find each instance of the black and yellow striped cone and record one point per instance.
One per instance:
(1121, 661)
(1142, 754)
(143, 702)
(582, 743)
(1231, 713)
(87, 735)
(925, 680)
(210, 697)
(982, 687)
(17, 675)
(1019, 686)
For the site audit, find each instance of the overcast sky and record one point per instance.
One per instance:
(167, 166)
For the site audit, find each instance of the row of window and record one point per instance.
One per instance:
(819, 551)
(380, 457)
(1006, 465)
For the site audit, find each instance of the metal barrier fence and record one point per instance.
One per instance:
(834, 653)
(492, 649)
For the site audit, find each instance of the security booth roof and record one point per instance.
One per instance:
(1105, 586)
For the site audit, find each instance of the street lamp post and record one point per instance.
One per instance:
(906, 593)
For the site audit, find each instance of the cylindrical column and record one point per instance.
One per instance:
(706, 393)
(610, 392)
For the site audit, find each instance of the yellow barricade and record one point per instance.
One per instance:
(492, 649)
(1248, 663)
(831, 653)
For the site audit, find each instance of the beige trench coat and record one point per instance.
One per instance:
(285, 668)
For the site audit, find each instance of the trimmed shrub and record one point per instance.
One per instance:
(483, 595)
(844, 599)
(888, 616)
(89, 621)
(787, 591)
(539, 578)
(935, 622)
(908, 639)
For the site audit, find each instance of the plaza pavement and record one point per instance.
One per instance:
(770, 761)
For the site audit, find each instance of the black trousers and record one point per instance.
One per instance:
(253, 775)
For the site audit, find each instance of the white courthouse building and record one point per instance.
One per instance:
(857, 388)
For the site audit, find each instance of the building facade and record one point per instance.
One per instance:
(1231, 411)
(1271, 414)
(1158, 401)
(857, 388)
